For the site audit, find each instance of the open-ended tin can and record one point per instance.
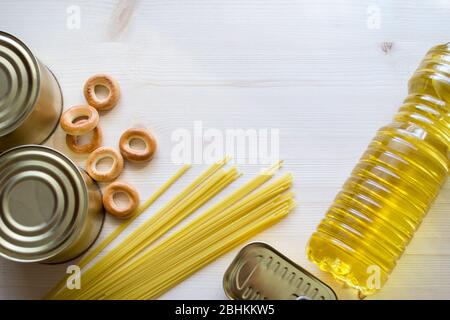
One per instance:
(30, 96)
(50, 210)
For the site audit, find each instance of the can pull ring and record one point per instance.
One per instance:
(302, 298)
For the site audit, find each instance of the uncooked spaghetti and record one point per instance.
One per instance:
(136, 270)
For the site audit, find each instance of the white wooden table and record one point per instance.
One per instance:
(325, 73)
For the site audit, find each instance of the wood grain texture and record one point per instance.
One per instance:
(312, 69)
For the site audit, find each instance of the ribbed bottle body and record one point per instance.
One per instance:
(381, 205)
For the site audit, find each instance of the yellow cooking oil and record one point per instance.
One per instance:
(381, 205)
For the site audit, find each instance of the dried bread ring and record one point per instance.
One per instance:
(135, 155)
(95, 142)
(106, 81)
(70, 120)
(110, 205)
(102, 153)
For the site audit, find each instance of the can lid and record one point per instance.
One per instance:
(19, 82)
(259, 272)
(43, 202)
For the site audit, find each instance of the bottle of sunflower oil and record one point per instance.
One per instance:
(390, 190)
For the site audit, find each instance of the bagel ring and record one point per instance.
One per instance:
(106, 81)
(71, 125)
(95, 142)
(111, 207)
(135, 155)
(102, 153)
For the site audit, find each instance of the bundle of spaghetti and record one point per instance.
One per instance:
(156, 279)
(199, 242)
(196, 225)
(216, 213)
(190, 199)
(206, 251)
(144, 206)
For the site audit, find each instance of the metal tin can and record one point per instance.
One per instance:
(259, 272)
(30, 96)
(50, 210)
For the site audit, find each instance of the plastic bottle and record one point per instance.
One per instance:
(381, 205)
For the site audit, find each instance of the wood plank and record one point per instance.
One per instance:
(312, 69)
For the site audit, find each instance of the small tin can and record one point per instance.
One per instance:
(259, 272)
(30, 96)
(50, 210)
